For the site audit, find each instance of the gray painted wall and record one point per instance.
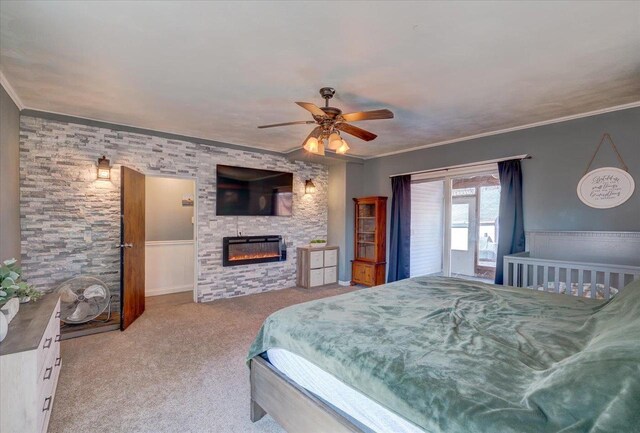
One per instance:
(9, 178)
(166, 219)
(337, 216)
(354, 188)
(560, 154)
(345, 184)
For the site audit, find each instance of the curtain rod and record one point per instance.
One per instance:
(473, 164)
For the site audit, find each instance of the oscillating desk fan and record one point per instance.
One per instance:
(82, 299)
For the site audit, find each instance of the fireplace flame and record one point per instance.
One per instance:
(252, 256)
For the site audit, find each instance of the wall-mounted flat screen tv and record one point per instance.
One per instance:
(250, 191)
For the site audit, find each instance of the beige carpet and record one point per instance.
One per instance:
(179, 368)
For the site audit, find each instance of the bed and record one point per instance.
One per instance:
(449, 355)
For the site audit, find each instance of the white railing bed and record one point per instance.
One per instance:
(590, 280)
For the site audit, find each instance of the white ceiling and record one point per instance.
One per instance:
(217, 70)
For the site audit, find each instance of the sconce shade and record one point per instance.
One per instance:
(104, 168)
(309, 187)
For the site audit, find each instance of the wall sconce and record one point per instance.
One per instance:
(104, 169)
(309, 187)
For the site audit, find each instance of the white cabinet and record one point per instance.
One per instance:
(30, 363)
(317, 266)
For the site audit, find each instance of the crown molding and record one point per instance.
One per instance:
(513, 129)
(11, 91)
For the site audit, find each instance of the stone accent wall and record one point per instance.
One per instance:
(70, 220)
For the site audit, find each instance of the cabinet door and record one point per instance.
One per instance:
(355, 270)
(316, 259)
(368, 275)
(316, 277)
(358, 272)
(331, 257)
(330, 275)
(365, 231)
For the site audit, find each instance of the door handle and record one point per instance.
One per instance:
(124, 246)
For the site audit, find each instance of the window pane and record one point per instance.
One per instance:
(460, 226)
(459, 238)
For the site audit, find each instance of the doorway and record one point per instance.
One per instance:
(170, 235)
(454, 225)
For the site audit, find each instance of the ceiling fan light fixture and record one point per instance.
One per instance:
(343, 148)
(331, 121)
(335, 141)
(311, 145)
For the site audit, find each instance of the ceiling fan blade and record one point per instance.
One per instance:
(356, 132)
(368, 115)
(312, 108)
(299, 122)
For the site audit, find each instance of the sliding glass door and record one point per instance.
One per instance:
(454, 225)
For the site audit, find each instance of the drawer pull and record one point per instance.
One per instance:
(47, 343)
(47, 373)
(57, 338)
(58, 360)
(57, 314)
(47, 404)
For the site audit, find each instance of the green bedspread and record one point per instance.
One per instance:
(455, 356)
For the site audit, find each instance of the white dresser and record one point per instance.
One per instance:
(317, 266)
(30, 363)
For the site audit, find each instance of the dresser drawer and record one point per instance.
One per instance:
(50, 340)
(47, 382)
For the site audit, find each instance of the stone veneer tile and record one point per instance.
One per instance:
(70, 221)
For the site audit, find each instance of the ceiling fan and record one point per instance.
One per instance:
(331, 122)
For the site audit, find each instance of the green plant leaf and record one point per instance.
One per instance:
(10, 262)
(7, 282)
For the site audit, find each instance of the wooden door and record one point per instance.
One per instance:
(132, 246)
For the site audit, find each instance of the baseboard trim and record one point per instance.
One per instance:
(344, 283)
(70, 333)
(158, 292)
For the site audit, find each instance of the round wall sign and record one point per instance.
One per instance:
(605, 187)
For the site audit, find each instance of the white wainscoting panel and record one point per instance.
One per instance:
(169, 267)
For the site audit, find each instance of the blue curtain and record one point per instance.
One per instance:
(399, 245)
(511, 220)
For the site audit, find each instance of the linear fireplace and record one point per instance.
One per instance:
(244, 250)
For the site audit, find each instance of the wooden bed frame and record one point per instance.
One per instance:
(293, 407)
